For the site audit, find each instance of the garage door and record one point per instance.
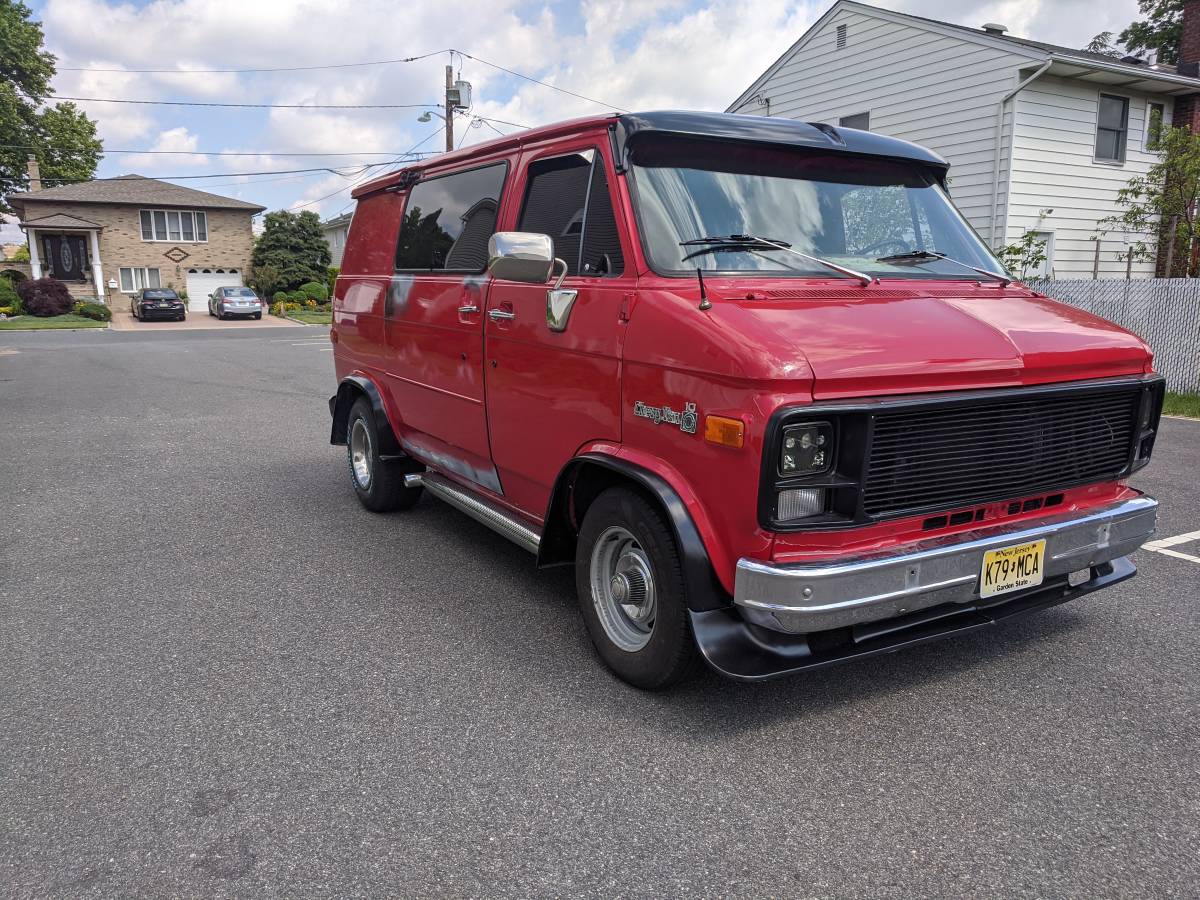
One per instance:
(202, 282)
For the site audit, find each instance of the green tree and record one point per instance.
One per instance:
(1168, 192)
(1160, 31)
(293, 245)
(65, 142)
(265, 279)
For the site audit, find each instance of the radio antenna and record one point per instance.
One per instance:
(704, 302)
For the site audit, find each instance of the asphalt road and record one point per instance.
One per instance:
(219, 676)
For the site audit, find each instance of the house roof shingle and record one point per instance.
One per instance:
(131, 189)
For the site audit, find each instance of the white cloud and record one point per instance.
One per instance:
(697, 54)
(178, 146)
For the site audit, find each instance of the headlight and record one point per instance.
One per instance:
(807, 449)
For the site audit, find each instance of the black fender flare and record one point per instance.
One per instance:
(349, 390)
(557, 546)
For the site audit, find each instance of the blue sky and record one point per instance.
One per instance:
(696, 54)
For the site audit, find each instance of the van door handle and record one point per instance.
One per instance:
(501, 315)
(468, 310)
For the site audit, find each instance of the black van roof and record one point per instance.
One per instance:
(769, 130)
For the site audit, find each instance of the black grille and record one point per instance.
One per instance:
(947, 456)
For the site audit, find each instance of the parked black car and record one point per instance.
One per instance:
(158, 303)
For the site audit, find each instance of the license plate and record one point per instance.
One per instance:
(1012, 568)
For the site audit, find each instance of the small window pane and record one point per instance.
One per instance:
(1112, 112)
(139, 279)
(173, 225)
(160, 225)
(127, 280)
(601, 244)
(152, 278)
(448, 220)
(147, 226)
(201, 227)
(554, 200)
(1107, 144)
(861, 121)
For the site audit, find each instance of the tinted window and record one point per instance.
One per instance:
(160, 295)
(567, 198)
(448, 220)
(861, 121)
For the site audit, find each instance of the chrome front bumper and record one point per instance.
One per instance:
(799, 599)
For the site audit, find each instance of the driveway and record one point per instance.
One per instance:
(123, 320)
(222, 677)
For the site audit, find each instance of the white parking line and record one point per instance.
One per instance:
(1164, 546)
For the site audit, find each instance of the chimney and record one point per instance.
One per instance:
(993, 28)
(35, 174)
(1187, 106)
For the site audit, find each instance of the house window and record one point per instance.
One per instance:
(134, 279)
(861, 121)
(1154, 124)
(841, 37)
(448, 221)
(1112, 128)
(175, 225)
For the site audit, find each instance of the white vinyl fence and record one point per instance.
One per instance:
(1164, 312)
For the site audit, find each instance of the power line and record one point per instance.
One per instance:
(536, 81)
(106, 151)
(362, 179)
(376, 62)
(257, 105)
(221, 175)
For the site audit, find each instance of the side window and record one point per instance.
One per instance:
(567, 198)
(448, 220)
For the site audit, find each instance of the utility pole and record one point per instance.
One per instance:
(449, 109)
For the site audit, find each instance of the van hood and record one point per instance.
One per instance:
(886, 339)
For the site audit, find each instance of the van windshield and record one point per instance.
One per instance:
(882, 217)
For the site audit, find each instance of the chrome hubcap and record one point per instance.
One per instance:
(360, 454)
(623, 589)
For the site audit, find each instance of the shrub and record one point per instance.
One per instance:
(297, 297)
(280, 296)
(331, 275)
(8, 297)
(45, 297)
(6, 311)
(97, 311)
(13, 276)
(314, 291)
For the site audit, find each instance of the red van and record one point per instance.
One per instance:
(755, 379)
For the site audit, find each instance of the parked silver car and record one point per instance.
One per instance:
(227, 302)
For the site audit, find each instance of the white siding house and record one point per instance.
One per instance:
(335, 232)
(960, 91)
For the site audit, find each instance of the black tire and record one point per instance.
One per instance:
(385, 490)
(258, 315)
(670, 654)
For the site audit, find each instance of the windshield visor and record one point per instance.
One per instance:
(847, 209)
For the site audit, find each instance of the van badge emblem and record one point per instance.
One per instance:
(686, 420)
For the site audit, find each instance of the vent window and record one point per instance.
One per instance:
(841, 36)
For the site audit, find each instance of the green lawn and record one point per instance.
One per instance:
(35, 323)
(1182, 405)
(310, 316)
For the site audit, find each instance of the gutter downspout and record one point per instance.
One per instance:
(999, 140)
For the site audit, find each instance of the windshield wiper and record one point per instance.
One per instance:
(917, 256)
(753, 243)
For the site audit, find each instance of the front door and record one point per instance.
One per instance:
(66, 256)
(433, 372)
(551, 391)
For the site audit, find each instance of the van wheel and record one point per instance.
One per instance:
(631, 591)
(379, 483)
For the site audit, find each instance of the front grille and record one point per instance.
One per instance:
(956, 455)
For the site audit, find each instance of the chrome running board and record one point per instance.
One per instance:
(478, 508)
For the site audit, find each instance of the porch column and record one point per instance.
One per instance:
(35, 261)
(97, 271)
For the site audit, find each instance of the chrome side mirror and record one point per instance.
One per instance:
(521, 256)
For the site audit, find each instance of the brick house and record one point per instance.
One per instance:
(109, 237)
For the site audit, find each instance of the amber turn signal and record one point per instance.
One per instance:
(723, 431)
